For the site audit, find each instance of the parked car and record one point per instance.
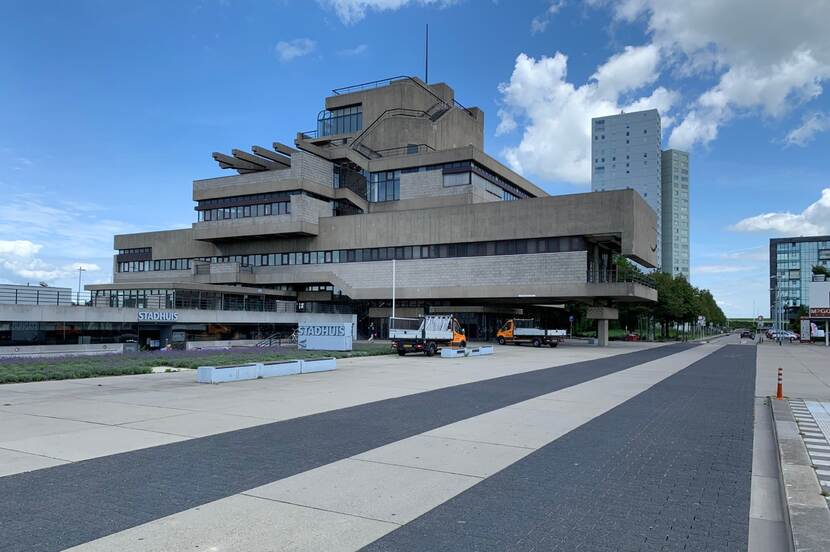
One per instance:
(784, 335)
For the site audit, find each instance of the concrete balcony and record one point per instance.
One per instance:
(307, 172)
(303, 220)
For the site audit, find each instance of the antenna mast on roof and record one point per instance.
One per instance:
(426, 56)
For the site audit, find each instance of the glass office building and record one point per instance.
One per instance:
(791, 262)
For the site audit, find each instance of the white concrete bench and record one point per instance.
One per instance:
(222, 374)
(446, 352)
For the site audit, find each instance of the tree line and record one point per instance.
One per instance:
(678, 301)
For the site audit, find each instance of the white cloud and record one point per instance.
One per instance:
(540, 22)
(19, 248)
(815, 219)
(292, 49)
(352, 11)
(631, 69)
(720, 269)
(810, 126)
(89, 267)
(18, 260)
(48, 238)
(768, 56)
(356, 51)
(555, 115)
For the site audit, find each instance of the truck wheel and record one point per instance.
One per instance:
(501, 341)
(537, 342)
(553, 344)
(463, 344)
(401, 352)
(430, 350)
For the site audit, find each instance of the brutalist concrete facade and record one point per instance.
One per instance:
(395, 172)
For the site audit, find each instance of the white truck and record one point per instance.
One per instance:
(525, 330)
(426, 335)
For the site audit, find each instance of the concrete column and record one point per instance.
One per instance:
(827, 333)
(602, 315)
(602, 333)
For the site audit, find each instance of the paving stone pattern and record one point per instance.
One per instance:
(59, 507)
(668, 470)
(813, 418)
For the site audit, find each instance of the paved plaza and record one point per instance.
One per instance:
(631, 447)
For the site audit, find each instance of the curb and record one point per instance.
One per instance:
(807, 516)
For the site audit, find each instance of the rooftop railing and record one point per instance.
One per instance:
(368, 85)
(43, 296)
(386, 82)
(411, 149)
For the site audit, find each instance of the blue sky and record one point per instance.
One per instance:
(108, 110)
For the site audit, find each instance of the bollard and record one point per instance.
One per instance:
(780, 394)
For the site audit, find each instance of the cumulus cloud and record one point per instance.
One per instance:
(815, 219)
(810, 126)
(18, 259)
(767, 56)
(293, 49)
(556, 115)
(540, 22)
(629, 70)
(48, 238)
(352, 11)
(19, 248)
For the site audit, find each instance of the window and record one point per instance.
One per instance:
(456, 179)
(385, 186)
(342, 120)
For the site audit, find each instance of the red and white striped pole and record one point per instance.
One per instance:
(780, 394)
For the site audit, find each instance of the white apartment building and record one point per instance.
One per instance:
(625, 153)
(675, 215)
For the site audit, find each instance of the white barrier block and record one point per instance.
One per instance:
(204, 374)
(481, 351)
(285, 368)
(247, 372)
(321, 365)
(446, 352)
(212, 374)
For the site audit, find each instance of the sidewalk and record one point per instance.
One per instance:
(806, 370)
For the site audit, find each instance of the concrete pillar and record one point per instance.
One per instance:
(602, 333)
(602, 315)
(827, 333)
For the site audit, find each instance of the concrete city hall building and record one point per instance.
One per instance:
(394, 173)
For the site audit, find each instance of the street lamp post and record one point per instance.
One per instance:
(777, 316)
(80, 272)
